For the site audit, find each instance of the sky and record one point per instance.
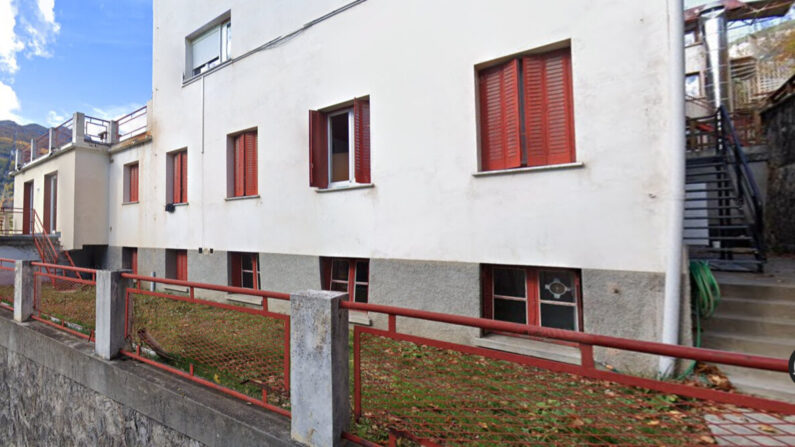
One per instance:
(58, 57)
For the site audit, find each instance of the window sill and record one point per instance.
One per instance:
(575, 165)
(129, 203)
(345, 187)
(196, 77)
(534, 348)
(231, 199)
(360, 318)
(180, 204)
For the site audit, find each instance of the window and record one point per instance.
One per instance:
(691, 38)
(693, 85)
(209, 48)
(244, 270)
(242, 164)
(177, 177)
(129, 259)
(526, 112)
(534, 296)
(131, 183)
(339, 145)
(347, 275)
(177, 264)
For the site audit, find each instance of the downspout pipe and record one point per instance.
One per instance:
(676, 150)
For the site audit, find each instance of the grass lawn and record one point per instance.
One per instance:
(7, 294)
(455, 398)
(240, 351)
(71, 302)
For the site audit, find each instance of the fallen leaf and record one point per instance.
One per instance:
(766, 428)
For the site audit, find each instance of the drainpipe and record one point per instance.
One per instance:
(676, 148)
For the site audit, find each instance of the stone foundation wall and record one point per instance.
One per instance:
(779, 123)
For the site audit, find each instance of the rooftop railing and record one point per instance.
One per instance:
(84, 129)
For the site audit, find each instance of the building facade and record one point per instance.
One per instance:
(488, 159)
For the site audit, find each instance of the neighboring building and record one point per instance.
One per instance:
(477, 158)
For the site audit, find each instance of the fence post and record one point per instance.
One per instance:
(111, 293)
(319, 395)
(23, 290)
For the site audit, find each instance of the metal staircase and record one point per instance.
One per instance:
(49, 252)
(723, 207)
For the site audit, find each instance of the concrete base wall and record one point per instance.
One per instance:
(55, 391)
(446, 287)
(618, 303)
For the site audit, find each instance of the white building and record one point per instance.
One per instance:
(490, 159)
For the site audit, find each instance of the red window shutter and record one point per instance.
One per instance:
(255, 272)
(251, 163)
(176, 177)
(549, 118)
(239, 166)
(325, 273)
(318, 150)
(488, 292)
(499, 117)
(361, 117)
(182, 265)
(183, 177)
(133, 186)
(134, 261)
(533, 318)
(235, 270)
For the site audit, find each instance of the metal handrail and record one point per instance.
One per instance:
(140, 114)
(745, 182)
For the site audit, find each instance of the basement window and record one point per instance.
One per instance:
(348, 275)
(177, 264)
(244, 270)
(129, 259)
(535, 296)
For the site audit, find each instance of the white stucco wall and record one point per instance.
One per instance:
(81, 207)
(416, 60)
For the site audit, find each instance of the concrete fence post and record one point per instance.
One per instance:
(319, 395)
(111, 293)
(23, 290)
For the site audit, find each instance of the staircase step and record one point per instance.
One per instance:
(748, 344)
(755, 326)
(718, 227)
(759, 308)
(707, 164)
(709, 208)
(688, 191)
(720, 238)
(754, 289)
(770, 384)
(731, 216)
(704, 199)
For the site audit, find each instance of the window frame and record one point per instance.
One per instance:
(173, 263)
(176, 165)
(514, 69)
(232, 165)
(223, 24)
(236, 270)
(351, 148)
(697, 75)
(351, 282)
(533, 294)
(130, 185)
(129, 259)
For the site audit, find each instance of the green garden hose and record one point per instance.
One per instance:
(705, 296)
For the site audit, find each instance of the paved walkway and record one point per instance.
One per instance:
(746, 427)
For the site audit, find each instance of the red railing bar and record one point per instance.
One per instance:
(188, 299)
(66, 278)
(361, 441)
(208, 383)
(217, 287)
(64, 267)
(61, 326)
(649, 347)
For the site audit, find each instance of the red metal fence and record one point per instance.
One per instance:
(7, 283)
(65, 297)
(433, 392)
(241, 351)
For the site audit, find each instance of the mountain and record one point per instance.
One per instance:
(24, 133)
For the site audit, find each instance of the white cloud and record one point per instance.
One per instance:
(54, 118)
(9, 103)
(47, 10)
(40, 28)
(10, 44)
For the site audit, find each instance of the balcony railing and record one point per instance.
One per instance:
(81, 129)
